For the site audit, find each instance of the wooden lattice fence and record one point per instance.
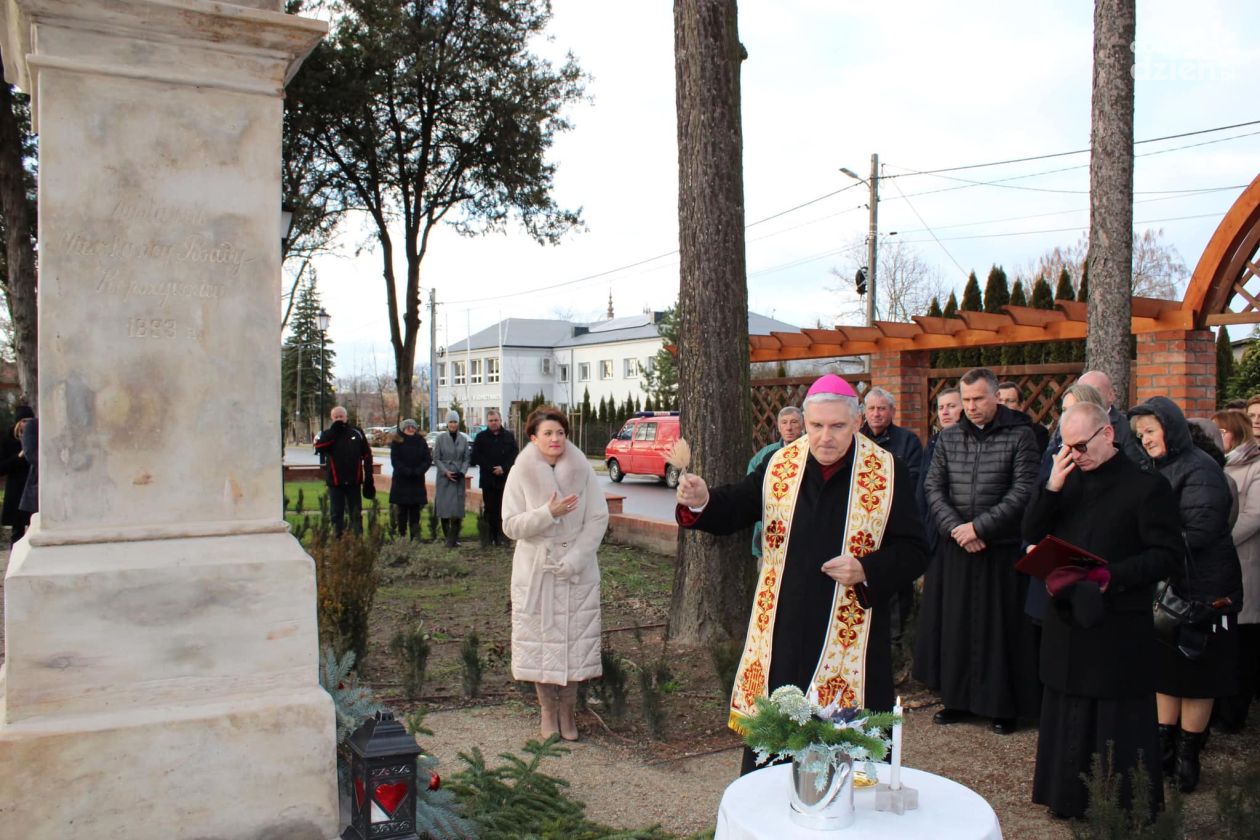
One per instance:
(769, 396)
(1041, 387)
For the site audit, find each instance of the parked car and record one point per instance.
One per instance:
(640, 447)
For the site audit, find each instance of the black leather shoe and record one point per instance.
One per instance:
(947, 716)
(1005, 726)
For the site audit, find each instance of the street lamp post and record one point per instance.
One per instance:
(872, 235)
(322, 318)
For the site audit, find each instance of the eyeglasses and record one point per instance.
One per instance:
(1083, 446)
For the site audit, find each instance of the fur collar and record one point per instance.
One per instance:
(569, 475)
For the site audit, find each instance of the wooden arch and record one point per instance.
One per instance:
(1230, 263)
(1228, 273)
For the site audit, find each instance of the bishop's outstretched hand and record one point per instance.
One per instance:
(692, 491)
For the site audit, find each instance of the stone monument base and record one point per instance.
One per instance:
(164, 688)
(165, 773)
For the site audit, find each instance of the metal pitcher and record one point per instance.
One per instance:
(824, 803)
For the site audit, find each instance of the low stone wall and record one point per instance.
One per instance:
(649, 534)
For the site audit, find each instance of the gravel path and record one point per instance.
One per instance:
(623, 789)
(619, 788)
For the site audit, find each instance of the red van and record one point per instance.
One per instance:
(640, 447)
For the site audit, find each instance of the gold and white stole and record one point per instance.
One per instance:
(841, 666)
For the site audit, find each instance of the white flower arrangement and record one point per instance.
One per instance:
(789, 725)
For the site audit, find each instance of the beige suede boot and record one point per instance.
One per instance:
(548, 702)
(568, 703)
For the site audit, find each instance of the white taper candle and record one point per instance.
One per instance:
(895, 778)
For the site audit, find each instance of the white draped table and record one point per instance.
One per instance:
(755, 807)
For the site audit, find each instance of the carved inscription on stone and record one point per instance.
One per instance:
(157, 271)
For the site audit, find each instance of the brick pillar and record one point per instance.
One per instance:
(1180, 365)
(905, 376)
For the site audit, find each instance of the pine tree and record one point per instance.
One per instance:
(997, 292)
(1018, 354)
(1224, 365)
(586, 405)
(1018, 298)
(1064, 289)
(947, 358)
(1063, 351)
(1042, 298)
(661, 379)
(996, 295)
(934, 309)
(603, 410)
(302, 368)
(1245, 381)
(971, 302)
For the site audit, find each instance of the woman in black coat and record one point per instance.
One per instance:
(410, 458)
(1185, 689)
(15, 468)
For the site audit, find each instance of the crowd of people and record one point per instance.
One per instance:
(855, 515)
(1165, 502)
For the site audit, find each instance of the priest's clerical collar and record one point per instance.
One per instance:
(828, 470)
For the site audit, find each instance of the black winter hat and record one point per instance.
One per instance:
(23, 412)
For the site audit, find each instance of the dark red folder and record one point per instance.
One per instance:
(1053, 553)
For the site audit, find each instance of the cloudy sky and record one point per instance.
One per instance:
(926, 85)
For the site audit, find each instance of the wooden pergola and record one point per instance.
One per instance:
(1228, 266)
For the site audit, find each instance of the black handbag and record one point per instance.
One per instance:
(1180, 622)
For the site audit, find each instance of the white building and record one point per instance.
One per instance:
(517, 358)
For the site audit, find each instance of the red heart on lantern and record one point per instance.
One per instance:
(359, 792)
(389, 796)
(435, 781)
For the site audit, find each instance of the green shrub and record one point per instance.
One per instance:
(610, 689)
(412, 649)
(1107, 818)
(346, 580)
(1238, 801)
(471, 663)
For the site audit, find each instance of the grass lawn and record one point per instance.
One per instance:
(312, 492)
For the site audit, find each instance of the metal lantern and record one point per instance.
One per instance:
(382, 781)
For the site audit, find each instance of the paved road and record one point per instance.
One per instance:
(645, 496)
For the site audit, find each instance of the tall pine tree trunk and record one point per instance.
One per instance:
(19, 249)
(712, 581)
(1111, 194)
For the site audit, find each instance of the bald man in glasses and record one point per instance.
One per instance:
(1098, 639)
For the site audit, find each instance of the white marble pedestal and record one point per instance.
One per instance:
(161, 648)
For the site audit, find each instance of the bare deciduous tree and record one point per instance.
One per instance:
(1158, 270)
(905, 285)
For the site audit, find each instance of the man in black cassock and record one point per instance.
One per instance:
(841, 534)
(1098, 639)
(975, 645)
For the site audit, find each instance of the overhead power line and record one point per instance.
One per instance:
(1077, 151)
(906, 196)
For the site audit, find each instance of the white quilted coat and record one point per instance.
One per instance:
(555, 573)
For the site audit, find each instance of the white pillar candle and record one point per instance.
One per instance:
(895, 777)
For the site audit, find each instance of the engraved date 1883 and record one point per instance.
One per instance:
(152, 328)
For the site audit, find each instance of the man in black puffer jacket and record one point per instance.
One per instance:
(975, 645)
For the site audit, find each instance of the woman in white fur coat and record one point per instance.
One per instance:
(555, 510)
